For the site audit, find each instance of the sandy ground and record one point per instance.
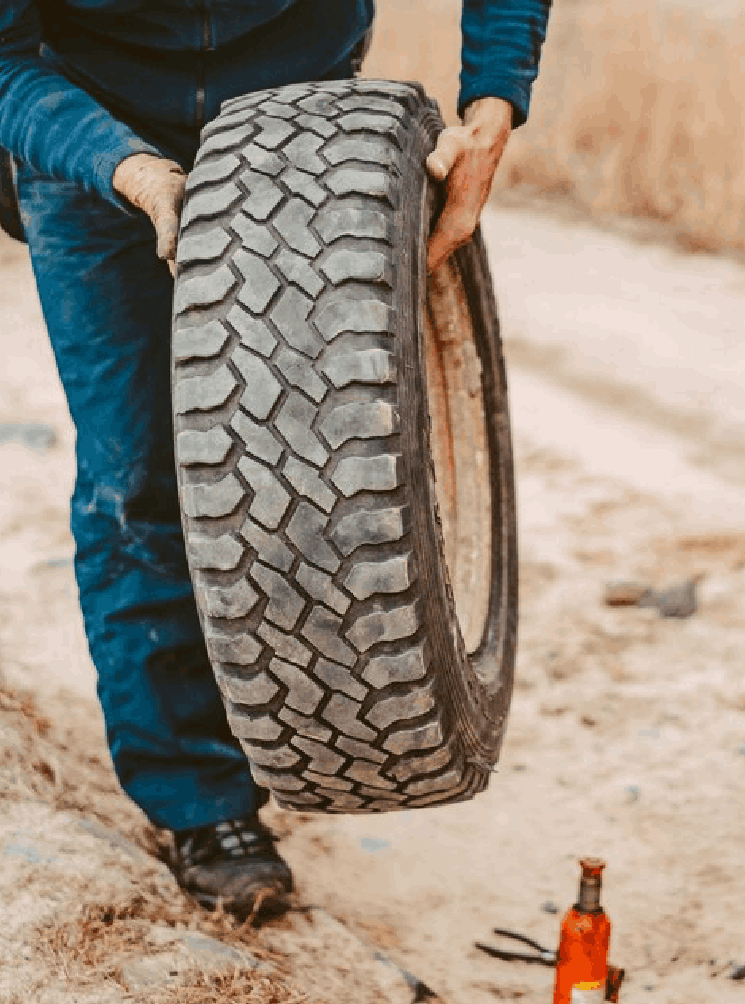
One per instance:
(627, 732)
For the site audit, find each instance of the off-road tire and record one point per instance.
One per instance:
(307, 484)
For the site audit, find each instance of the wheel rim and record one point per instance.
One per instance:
(459, 447)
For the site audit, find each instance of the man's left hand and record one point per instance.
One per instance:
(466, 158)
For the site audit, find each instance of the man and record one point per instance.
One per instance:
(101, 103)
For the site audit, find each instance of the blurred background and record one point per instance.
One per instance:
(639, 108)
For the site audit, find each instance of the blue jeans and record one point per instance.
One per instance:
(106, 300)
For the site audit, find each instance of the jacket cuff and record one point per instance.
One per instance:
(124, 144)
(505, 88)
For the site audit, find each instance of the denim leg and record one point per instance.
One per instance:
(106, 301)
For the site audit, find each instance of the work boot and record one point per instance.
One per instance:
(236, 862)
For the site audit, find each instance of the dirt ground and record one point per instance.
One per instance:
(627, 731)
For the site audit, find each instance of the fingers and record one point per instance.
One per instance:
(450, 145)
(156, 186)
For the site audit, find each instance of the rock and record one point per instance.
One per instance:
(679, 601)
(624, 594)
(549, 907)
(36, 436)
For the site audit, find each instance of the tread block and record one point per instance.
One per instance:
(216, 553)
(299, 800)
(322, 760)
(368, 149)
(392, 575)
(260, 282)
(231, 601)
(296, 371)
(242, 649)
(209, 447)
(264, 195)
(339, 678)
(420, 737)
(445, 782)
(383, 625)
(287, 647)
(368, 773)
(382, 526)
(322, 102)
(342, 802)
(245, 725)
(359, 420)
(294, 422)
(202, 247)
(213, 500)
(278, 109)
(291, 223)
(302, 152)
(322, 629)
(212, 202)
(307, 481)
(358, 181)
(374, 474)
(361, 751)
(335, 783)
(261, 387)
(370, 366)
(399, 707)
(254, 237)
(342, 712)
(303, 694)
(203, 290)
(350, 222)
(280, 759)
(273, 132)
(220, 124)
(305, 725)
(268, 546)
(261, 160)
(258, 439)
(199, 341)
(362, 266)
(297, 270)
(260, 689)
(203, 393)
(253, 332)
(415, 766)
(369, 122)
(321, 587)
(373, 103)
(314, 123)
(270, 499)
(369, 316)
(290, 316)
(305, 185)
(305, 530)
(209, 171)
(274, 779)
(228, 139)
(285, 605)
(404, 667)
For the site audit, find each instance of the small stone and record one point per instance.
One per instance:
(623, 594)
(549, 907)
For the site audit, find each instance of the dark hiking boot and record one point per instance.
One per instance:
(235, 862)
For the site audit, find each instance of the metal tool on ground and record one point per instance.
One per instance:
(542, 956)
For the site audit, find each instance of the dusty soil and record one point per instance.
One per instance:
(627, 732)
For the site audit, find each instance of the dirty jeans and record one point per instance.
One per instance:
(106, 301)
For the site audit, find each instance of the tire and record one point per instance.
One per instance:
(323, 533)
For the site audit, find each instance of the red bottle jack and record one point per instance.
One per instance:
(582, 959)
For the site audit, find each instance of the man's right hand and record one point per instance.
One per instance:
(156, 186)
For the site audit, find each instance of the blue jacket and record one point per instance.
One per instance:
(85, 83)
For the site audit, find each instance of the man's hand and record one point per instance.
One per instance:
(466, 158)
(156, 186)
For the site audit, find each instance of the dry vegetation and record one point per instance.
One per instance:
(639, 109)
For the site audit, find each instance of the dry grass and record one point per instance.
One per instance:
(639, 109)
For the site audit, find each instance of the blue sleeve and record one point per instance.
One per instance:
(49, 123)
(502, 42)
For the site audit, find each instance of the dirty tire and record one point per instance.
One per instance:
(316, 543)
